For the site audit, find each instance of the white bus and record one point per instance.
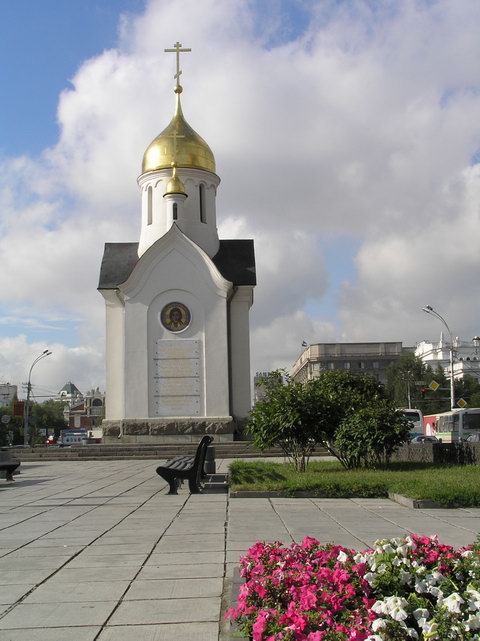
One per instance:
(456, 425)
(415, 418)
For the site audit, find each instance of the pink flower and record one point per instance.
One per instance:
(259, 626)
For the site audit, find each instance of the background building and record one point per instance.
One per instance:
(466, 355)
(8, 393)
(361, 358)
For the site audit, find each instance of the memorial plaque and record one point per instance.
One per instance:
(177, 405)
(181, 348)
(177, 374)
(177, 367)
(177, 387)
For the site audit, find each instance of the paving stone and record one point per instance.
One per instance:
(11, 593)
(74, 575)
(204, 570)
(87, 633)
(118, 549)
(56, 592)
(166, 611)
(168, 632)
(183, 558)
(44, 615)
(31, 563)
(16, 577)
(174, 589)
(107, 561)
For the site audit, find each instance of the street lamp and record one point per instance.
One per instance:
(26, 434)
(429, 310)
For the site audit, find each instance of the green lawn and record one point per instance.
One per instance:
(451, 486)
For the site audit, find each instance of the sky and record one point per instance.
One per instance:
(346, 134)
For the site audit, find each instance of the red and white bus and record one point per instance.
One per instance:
(455, 425)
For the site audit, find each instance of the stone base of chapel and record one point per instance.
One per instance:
(177, 429)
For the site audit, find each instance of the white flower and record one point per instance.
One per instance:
(388, 548)
(412, 633)
(473, 622)
(378, 624)
(342, 557)
(436, 592)
(420, 585)
(370, 577)
(382, 568)
(374, 637)
(421, 613)
(379, 607)
(452, 602)
(430, 630)
(473, 599)
(405, 576)
(396, 607)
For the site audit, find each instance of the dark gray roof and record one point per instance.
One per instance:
(235, 260)
(70, 388)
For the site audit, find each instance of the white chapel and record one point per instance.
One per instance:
(177, 303)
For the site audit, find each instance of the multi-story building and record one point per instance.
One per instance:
(361, 358)
(8, 393)
(466, 356)
(83, 411)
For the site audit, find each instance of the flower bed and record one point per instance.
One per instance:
(403, 589)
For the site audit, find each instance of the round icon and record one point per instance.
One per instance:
(175, 317)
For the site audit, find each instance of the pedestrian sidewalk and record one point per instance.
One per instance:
(97, 550)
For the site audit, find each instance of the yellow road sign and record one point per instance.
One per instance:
(434, 386)
(462, 403)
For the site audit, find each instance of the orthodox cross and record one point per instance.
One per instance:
(175, 135)
(177, 50)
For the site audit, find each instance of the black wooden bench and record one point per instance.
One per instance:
(8, 464)
(177, 469)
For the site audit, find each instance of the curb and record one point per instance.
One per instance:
(414, 504)
(274, 494)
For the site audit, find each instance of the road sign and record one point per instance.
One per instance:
(5, 419)
(462, 403)
(434, 386)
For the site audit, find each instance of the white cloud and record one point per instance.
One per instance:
(364, 125)
(83, 365)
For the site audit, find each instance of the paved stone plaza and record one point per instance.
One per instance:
(96, 550)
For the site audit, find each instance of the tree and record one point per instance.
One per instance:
(406, 379)
(369, 436)
(291, 415)
(47, 416)
(14, 426)
(342, 411)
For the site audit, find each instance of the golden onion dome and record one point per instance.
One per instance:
(180, 144)
(175, 185)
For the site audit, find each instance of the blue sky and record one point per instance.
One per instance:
(337, 150)
(42, 43)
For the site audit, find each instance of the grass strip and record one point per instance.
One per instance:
(448, 485)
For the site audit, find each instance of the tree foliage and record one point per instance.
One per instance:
(348, 414)
(369, 436)
(290, 415)
(409, 375)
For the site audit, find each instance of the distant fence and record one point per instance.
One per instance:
(440, 453)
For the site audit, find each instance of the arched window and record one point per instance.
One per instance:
(149, 205)
(175, 211)
(201, 194)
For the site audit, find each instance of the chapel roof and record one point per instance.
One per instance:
(235, 260)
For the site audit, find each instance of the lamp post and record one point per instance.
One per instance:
(26, 433)
(428, 309)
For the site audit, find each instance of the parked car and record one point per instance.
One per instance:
(423, 438)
